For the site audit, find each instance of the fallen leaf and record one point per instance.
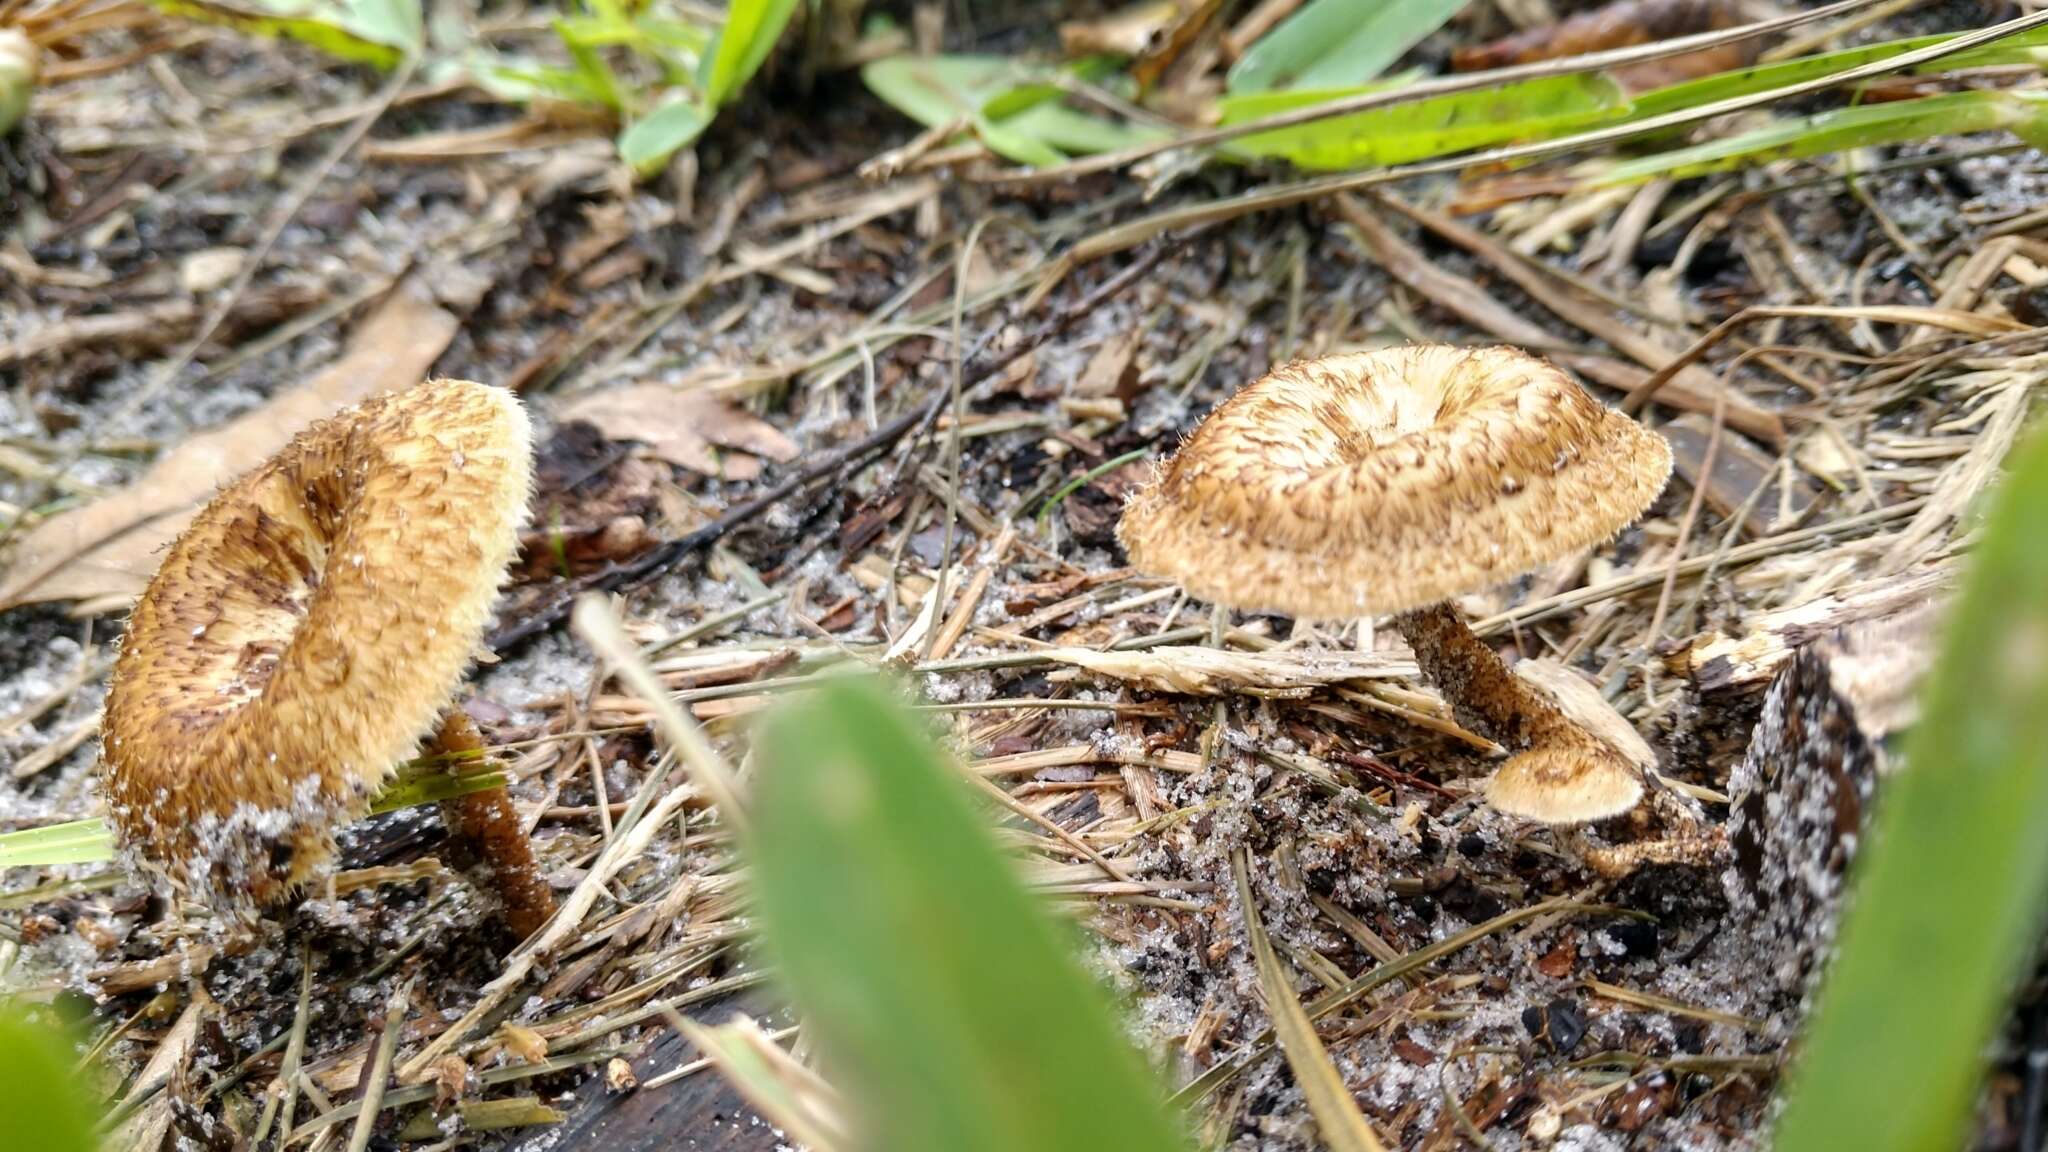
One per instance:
(685, 428)
(1113, 369)
(109, 548)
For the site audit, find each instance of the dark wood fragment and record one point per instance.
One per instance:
(1802, 794)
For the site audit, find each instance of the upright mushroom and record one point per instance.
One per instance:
(1391, 481)
(306, 631)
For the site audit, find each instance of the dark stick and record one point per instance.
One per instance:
(634, 573)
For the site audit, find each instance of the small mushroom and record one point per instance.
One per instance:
(1391, 481)
(303, 635)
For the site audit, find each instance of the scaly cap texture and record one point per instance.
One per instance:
(306, 630)
(1376, 482)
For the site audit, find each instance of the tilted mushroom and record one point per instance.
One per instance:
(303, 635)
(1391, 481)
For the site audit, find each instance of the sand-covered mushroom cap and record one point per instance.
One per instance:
(304, 633)
(1376, 482)
(1569, 782)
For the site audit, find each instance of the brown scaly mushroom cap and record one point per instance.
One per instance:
(1376, 482)
(1391, 481)
(306, 630)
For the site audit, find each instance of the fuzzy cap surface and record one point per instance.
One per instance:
(305, 631)
(1375, 482)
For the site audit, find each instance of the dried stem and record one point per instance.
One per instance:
(487, 822)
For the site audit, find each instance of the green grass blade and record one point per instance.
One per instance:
(938, 90)
(43, 1103)
(1949, 897)
(411, 791)
(75, 842)
(1764, 77)
(947, 1001)
(92, 842)
(1952, 113)
(1338, 43)
(1437, 126)
(398, 23)
(751, 29)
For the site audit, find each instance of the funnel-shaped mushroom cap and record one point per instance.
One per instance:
(306, 630)
(1381, 481)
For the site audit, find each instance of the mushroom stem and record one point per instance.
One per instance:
(487, 822)
(1560, 773)
(1482, 692)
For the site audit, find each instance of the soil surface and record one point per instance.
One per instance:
(785, 308)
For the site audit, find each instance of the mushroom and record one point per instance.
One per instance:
(1391, 481)
(305, 632)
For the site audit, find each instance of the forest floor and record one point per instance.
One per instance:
(686, 343)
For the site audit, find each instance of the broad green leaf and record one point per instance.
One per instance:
(947, 1002)
(1016, 146)
(1019, 99)
(751, 29)
(938, 90)
(1338, 43)
(647, 145)
(398, 23)
(43, 1102)
(1949, 114)
(328, 33)
(1436, 126)
(1948, 899)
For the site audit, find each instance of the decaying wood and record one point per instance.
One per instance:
(1745, 479)
(1801, 795)
(698, 1113)
(1718, 663)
